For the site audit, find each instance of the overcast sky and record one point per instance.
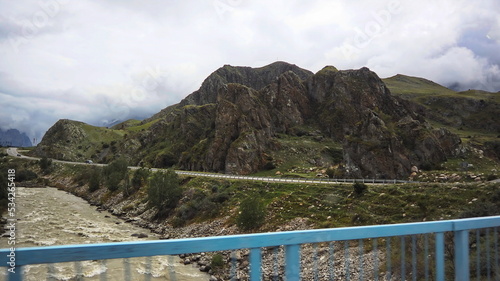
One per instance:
(95, 60)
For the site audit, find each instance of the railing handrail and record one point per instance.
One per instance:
(81, 252)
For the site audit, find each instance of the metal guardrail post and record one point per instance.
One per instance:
(462, 271)
(495, 239)
(440, 256)
(17, 276)
(292, 262)
(255, 263)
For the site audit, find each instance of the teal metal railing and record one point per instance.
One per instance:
(439, 250)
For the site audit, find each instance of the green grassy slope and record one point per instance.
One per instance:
(414, 87)
(468, 113)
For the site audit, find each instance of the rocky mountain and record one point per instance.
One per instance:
(243, 120)
(13, 137)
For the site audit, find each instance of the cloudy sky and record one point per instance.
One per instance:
(96, 61)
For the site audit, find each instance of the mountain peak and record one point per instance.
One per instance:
(12, 137)
(255, 78)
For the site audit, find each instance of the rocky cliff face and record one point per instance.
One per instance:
(381, 136)
(240, 117)
(255, 78)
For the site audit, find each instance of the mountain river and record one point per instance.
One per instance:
(47, 216)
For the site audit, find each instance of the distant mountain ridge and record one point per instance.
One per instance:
(13, 137)
(243, 120)
(467, 110)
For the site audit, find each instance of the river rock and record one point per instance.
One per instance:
(139, 235)
(414, 169)
(205, 268)
(244, 264)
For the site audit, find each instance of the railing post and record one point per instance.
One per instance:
(292, 262)
(255, 261)
(440, 256)
(462, 272)
(17, 276)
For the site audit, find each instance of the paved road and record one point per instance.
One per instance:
(12, 151)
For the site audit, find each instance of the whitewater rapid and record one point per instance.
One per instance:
(48, 216)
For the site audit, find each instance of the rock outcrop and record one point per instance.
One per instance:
(239, 118)
(381, 136)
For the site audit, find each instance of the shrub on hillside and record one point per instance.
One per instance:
(25, 175)
(45, 164)
(94, 179)
(140, 178)
(114, 173)
(359, 188)
(164, 191)
(252, 213)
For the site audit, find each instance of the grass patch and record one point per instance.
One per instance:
(414, 86)
(328, 206)
(141, 127)
(300, 156)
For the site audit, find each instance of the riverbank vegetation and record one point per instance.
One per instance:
(22, 172)
(200, 199)
(179, 206)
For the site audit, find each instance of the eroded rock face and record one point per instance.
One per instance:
(231, 124)
(255, 78)
(381, 136)
(246, 121)
(242, 131)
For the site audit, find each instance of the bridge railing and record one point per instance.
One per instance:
(440, 250)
